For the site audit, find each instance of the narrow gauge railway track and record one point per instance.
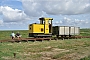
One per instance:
(41, 39)
(25, 39)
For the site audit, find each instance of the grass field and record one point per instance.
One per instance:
(71, 49)
(85, 32)
(6, 34)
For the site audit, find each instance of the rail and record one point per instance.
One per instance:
(41, 39)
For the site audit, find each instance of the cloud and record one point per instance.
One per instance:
(12, 15)
(75, 22)
(80, 22)
(1, 22)
(32, 8)
(56, 7)
(65, 12)
(68, 21)
(0, 11)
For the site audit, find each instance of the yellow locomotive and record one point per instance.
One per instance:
(44, 29)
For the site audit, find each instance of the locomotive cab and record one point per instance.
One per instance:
(43, 29)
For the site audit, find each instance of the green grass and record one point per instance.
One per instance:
(37, 50)
(6, 34)
(85, 32)
(46, 50)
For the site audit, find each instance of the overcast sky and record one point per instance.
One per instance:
(18, 14)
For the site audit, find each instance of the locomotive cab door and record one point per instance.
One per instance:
(50, 26)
